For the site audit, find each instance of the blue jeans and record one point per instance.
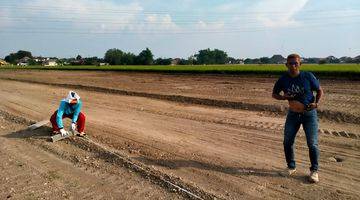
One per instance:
(310, 125)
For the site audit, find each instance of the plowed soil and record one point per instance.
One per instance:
(162, 136)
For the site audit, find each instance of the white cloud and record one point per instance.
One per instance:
(94, 16)
(210, 26)
(156, 22)
(253, 15)
(5, 18)
(278, 13)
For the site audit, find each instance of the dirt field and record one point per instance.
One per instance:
(160, 136)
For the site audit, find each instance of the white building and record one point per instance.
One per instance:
(103, 64)
(22, 64)
(49, 63)
(23, 61)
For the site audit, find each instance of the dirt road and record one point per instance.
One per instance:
(213, 151)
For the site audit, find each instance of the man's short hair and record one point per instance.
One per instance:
(292, 56)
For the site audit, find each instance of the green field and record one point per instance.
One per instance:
(352, 70)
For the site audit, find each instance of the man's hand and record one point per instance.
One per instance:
(73, 126)
(63, 132)
(313, 105)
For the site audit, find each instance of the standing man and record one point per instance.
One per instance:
(70, 107)
(297, 88)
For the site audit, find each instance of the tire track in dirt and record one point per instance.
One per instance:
(326, 114)
(171, 183)
(36, 169)
(113, 156)
(199, 160)
(265, 128)
(264, 147)
(170, 165)
(253, 124)
(250, 173)
(347, 103)
(348, 98)
(249, 124)
(343, 91)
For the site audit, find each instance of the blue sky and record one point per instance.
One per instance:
(174, 28)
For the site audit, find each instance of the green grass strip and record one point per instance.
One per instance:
(337, 70)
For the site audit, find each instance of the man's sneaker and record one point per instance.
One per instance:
(291, 171)
(288, 172)
(314, 177)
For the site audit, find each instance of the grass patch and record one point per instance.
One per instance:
(336, 70)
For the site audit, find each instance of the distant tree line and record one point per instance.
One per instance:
(14, 57)
(118, 57)
(146, 57)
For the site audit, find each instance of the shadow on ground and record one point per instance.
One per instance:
(236, 171)
(40, 133)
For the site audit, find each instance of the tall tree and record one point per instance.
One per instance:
(145, 57)
(22, 54)
(128, 59)
(264, 60)
(14, 57)
(163, 61)
(91, 61)
(207, 56)
(113, 56)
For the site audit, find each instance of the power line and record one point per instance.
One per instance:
(173, 12)
(157, 32)
(111, 21)
(163, 28)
